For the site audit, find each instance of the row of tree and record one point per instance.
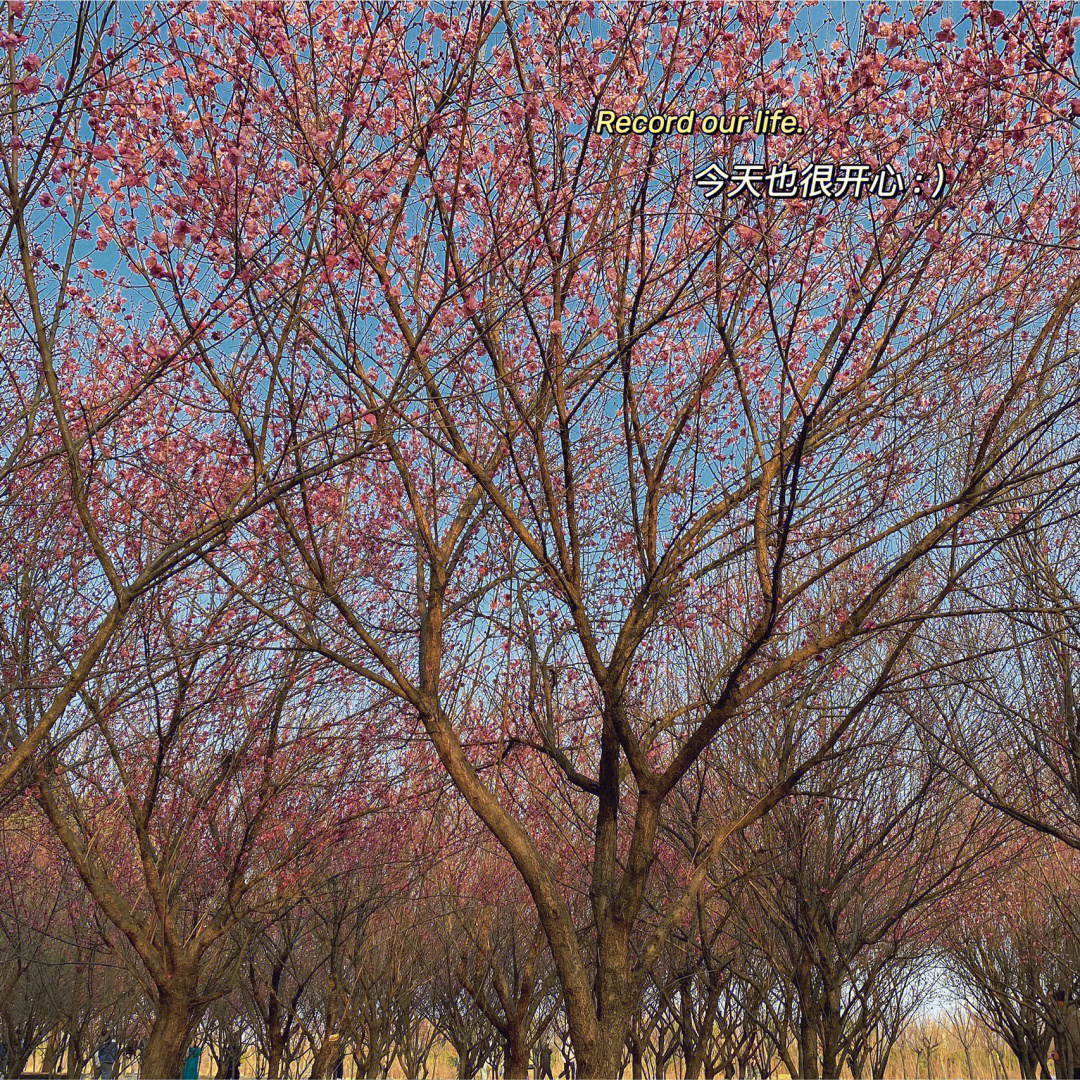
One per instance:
(412, 965)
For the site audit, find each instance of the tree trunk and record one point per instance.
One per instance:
(808, 1016)
(163, 1055)
(637, 1062)
(808, 1051)
(830, 1044)
(73, 1065)
(696, 1044)
(276, 1040)
(325, 1057)
(604, 1061)
(276, 1053)
(54, 1047)
(22, 1056)
(1027, 1064)
(465, 1069)
(516, 1057)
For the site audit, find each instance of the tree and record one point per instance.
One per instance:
(853, 882)
(196, 797)
(32, 934)
(502, 958)
(274, 979)
(120, 463)
(1014, 949)
(1007, 720)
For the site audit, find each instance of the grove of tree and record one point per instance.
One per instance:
(469, 601)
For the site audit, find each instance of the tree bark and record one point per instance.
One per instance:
(606, 1055)
(54, 1047)
(808, 1016)
(830, 1044)
(163, 1055)
(465, 1068)
(324, 1057)
(516, 1056)
(273, 1058)
(73, 1065)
